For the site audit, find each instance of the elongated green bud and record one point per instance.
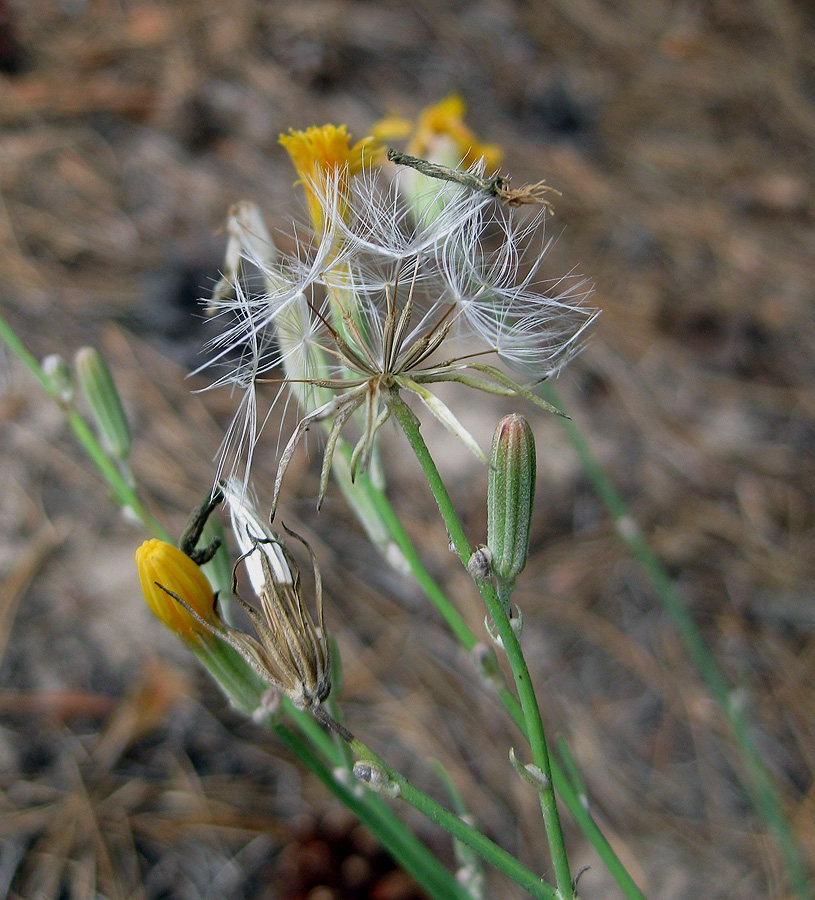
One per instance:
(510, 496)
(103, 399)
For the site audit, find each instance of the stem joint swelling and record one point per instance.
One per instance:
(496, 609)
(530, 773)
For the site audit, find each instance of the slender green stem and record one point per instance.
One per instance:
(535, 733)
(123, 491)
(440, 600)
(491, 852)
(526, 692)
(759, 783)
(497, 605)
(403, 846)
(125, 495)
(570, 797)
(571, 768)
(451, 823)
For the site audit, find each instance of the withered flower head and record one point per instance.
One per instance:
(290, 651)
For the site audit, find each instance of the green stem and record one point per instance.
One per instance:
(491, 852)
(125, 495)
(570, 797)
(122, 490)
(403, 846)
(451, 823)
(526, 692)
(425, 580)
(759, 784)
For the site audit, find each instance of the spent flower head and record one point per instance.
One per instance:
(290, 651)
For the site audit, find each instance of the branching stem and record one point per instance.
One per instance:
(526, 692)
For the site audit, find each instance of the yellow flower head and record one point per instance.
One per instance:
(163, 564)
(441, 135)
(322, 153)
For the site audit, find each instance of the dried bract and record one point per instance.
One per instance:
(290, 651)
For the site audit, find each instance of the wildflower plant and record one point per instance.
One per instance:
(398, 284)
(387, 295)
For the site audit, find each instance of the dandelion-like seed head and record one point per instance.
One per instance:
(370, 306)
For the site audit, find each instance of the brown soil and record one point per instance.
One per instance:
(682, 139)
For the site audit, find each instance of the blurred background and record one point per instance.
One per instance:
(681, 136)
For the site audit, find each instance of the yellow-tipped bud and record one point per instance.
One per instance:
(163, 568)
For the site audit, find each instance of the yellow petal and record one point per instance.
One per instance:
(160, 563)
(444, 122)
(320, 153)
(392, 128)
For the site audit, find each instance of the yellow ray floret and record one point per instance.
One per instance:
(441, 123)
(163, 564)
(320, 153)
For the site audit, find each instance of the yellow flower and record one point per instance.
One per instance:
(441, 135)
(322, 153)
(164, 568)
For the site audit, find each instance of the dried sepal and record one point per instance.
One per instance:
(290, 651)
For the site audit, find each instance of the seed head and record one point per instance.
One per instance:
(385, 296)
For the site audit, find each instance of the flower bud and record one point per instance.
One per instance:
(58, 374)
(163, 568)
(510, 496)
(104, 402)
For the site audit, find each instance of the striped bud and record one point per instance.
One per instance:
(103, 400)
(510, 496)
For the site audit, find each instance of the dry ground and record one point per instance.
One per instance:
(682, 138)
